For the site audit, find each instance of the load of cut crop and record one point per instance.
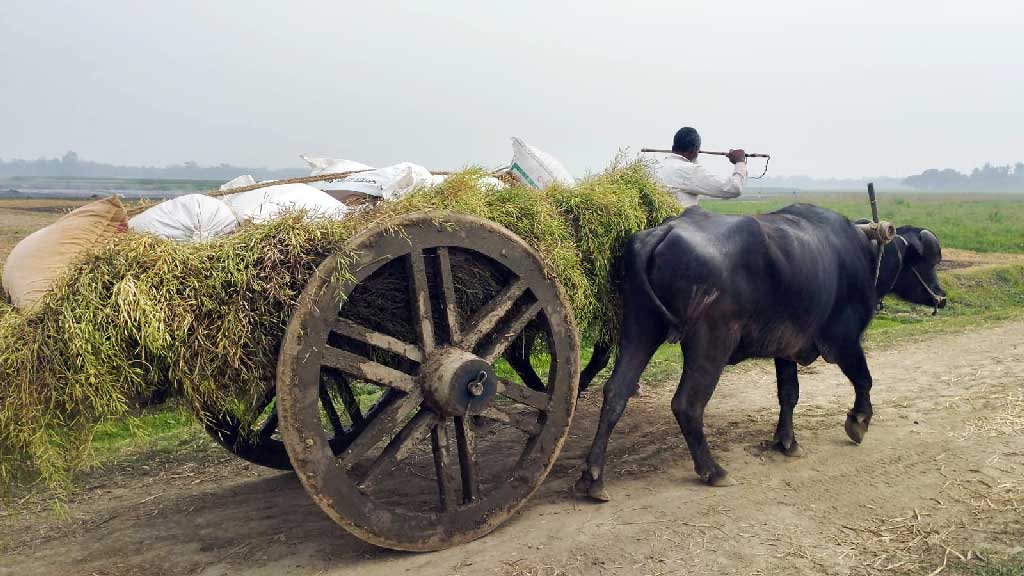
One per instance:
(203, 320)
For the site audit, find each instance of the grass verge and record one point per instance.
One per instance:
(157, 429)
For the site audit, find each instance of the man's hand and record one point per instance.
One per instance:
(736, 156)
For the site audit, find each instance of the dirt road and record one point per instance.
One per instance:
(940, 476)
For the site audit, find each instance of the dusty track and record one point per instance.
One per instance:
(954, 259)
(940, 474)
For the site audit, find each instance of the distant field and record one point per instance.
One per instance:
(19, 218)
(101, 186)
(979, 222)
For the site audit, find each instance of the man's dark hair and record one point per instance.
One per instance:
(686, 139)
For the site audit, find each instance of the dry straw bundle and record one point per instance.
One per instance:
(204, 321)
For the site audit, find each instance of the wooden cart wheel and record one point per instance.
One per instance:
(257, 442)
(455, 444)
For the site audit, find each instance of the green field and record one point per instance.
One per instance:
(979, 222)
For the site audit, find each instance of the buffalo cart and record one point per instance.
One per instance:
(425, 384)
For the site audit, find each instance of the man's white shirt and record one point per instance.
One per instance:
(688, 181)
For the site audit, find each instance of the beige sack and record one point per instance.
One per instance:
(37, 261)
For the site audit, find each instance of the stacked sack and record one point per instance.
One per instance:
(38, 259)
(189, 218)
(530, 166)
(200, 218)
(389, 183)
(265, 204)
(34, 264)
(536, 168)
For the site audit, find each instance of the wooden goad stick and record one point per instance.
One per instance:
(749, 155)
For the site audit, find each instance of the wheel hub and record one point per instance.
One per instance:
(458, 383)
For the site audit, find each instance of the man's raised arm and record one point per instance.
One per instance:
(709, 185)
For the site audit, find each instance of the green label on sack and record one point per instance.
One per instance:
(519, 170)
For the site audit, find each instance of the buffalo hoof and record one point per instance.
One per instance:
(593, 489)
(786, 443)
(792, 451)
(857, 426)
(723, 481)
(718, 478)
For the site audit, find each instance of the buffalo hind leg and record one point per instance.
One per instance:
(789, 395)
(598, 361)
(706, 351)
(518, 358)
(853, 364)
(635, 351)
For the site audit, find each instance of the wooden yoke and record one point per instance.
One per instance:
(883, 232)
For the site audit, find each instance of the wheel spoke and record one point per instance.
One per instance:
(443, 467)
(350, 401)
(389, 418)
(509, 334)
(526, 423)
(448, 286)
(346, 327)
(467, 459)
(366, 369)
(421, 300)
(332, 413)
(523, 395)
(406, 439)
(486, 319)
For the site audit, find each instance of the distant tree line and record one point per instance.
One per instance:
(809, 183)
(1008, 178)
(71, 166)
(988, 178)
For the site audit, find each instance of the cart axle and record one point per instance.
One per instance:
(458, 383)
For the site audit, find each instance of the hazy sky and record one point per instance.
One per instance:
(828, 88)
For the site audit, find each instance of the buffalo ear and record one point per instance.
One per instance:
(930, 248)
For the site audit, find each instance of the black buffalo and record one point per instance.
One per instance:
(793, 285)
